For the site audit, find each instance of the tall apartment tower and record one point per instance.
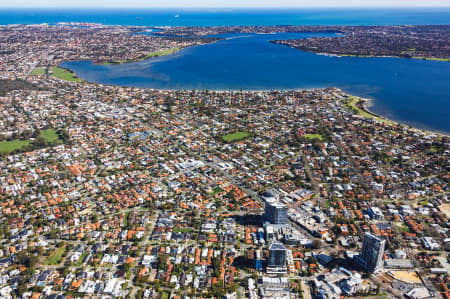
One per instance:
(371, 256)
(274, 211)
(277, 258)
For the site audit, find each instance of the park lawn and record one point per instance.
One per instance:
(432, 58)
(80, 260)
(162, 53)
(10, 146)
(353, 104)
(64, 74)
(38, 71)
(56, 258)
(149, 55)
(403, 228)
(125, 219)
(235, 136)
(183, 230)
(414, 57)
(313, 136)
(50, 135)
(359, 56)
(165, 295)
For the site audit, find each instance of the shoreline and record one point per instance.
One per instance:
(375, 56)
(367, 56)
(147, 56)
(64, 74)
(363, 102)
(359, 104)
(364, 108)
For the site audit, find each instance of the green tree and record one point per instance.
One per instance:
(40, 142)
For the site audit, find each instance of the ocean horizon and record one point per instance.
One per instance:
(229, 16)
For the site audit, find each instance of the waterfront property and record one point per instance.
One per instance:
(64, 74)
(391, 83)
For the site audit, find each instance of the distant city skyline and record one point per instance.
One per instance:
(219, 4)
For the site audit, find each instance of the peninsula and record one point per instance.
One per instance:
(409, 41)
(420, 42)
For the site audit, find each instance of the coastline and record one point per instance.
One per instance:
(361, 105)
(370, 56)
(375, 56)
(147, 56)
(63, 73)
(364, 107)
(356, 104)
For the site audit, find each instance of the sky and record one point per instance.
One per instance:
(219, 3)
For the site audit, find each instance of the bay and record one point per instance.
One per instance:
(411, 91)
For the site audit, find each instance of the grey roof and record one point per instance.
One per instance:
(277, 246)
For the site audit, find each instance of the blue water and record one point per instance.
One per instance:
(411, 91)
(225, 17)
(415, 92)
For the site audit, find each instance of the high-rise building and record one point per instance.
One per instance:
(274, 211)
(371, 256)
(277, 258)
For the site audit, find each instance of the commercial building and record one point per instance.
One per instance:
(275, 287)
(430, 244)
